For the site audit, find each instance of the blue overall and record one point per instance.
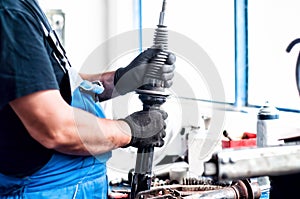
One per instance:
(65, 176)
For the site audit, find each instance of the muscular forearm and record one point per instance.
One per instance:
(56, 125)
(107, 79)
(91, 135)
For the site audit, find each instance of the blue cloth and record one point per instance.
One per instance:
(63, 177)
(85, 98)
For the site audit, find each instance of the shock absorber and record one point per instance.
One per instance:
(152, 95)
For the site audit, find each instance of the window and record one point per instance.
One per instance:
(208, 24)
(272, 25)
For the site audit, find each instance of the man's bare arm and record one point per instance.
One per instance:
(107, 79)
(57, 125)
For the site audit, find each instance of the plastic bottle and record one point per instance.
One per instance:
(267, 126)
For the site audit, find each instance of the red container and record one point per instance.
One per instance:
(247, 140)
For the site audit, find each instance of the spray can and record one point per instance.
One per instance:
(267, 135)
(267, 126)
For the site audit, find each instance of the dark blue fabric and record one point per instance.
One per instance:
(26, 66)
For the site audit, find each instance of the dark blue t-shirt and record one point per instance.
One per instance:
(26, 66)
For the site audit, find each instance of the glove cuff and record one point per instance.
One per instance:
(118, 74)
(131, 131)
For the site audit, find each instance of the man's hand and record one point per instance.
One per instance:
(147, 128)
(132, 77)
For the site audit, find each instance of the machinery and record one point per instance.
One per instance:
(238, 189)
(254, 162)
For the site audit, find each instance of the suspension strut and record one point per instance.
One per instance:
(152, 95)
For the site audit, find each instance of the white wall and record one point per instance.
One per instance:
(90, 23)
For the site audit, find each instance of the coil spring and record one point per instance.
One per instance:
(160, 41)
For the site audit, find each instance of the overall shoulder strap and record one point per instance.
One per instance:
(50, 34)
(58, 51)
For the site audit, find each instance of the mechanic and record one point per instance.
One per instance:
(49, 148)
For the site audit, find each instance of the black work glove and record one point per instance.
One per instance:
(147, 128)
(132, 77)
